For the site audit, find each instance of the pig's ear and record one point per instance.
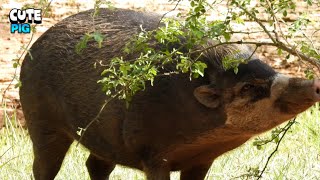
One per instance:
(208, 96)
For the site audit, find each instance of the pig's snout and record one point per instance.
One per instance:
(316, 88)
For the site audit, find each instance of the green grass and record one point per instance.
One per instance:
(298, 156)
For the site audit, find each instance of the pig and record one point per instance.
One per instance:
(177, 124)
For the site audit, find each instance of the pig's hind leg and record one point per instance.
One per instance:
(50, 140)
(98, 168)
(195, 173)
(50, 148)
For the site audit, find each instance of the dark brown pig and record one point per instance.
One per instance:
(177, 124)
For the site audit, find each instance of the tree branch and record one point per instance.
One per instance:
(233, 42)
(279, 45)
(259, 22)
(168, 12)
(293, 51)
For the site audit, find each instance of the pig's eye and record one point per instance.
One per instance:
(247, 87)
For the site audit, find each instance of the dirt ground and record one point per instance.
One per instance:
(11, 45)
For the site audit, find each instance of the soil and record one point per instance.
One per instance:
(11, 46)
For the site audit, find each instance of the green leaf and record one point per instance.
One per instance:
(236, 70)
(153, 71)
(239, 20)
(227, 36)
(192, 3)
(198, 69)
(98, 37)
(285, 13)
(18, 85)
(33, 29)
(82, 44)
(199, 34)
(259, 147)
(124, 68)
(15, 65)
(309, 2)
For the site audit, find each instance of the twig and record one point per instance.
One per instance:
(95, 119)
(310, 41)
(254, 51)
(7, 162)
(5, 152)
(259, 22)
(314, 33)
(228, 12)
(168, 12)
(233, 42)
(279, 45)
(244, 32)
(286, 129)
(293, 51)
(276, 24)
(274, 19)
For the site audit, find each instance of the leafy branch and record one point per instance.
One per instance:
(193, 31)
(277, 138)
(276, 41)
(93, 34)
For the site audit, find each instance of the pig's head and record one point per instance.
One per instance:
(257, 98)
